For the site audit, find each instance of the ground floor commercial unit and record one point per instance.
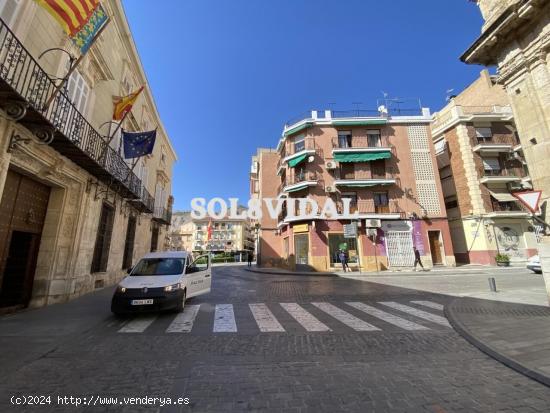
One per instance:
(63, 233)
(314, 245)
(478, 239)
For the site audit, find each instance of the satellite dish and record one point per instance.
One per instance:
(311, 158)
(382, 109)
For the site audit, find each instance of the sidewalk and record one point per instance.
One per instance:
(354, 274)
(517, 335)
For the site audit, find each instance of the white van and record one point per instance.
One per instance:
(162, 281)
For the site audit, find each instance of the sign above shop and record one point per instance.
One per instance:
(350, 230)
(300, 228)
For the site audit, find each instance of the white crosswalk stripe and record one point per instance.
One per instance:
(417, 313)
(387, 317)
(429, 304)
(307, 320)
(350, 320)
(267, 323)
(183, 323)
(138, 325)
(224, 319)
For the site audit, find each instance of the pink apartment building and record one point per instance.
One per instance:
(384, 164)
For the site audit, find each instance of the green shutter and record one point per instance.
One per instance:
(295, 161)
(361, 156)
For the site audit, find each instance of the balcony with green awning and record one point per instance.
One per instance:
(299, 159)
(364, 183)
(361, 156)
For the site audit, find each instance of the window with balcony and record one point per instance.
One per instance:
(484, 135)
(299, 143)
(381, 202)
(373, 138)
(491, 166)
(378, 169)
(347, 171)
(9, 10)
(344, 139)
(78, 91)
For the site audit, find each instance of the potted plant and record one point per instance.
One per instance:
(503, 260)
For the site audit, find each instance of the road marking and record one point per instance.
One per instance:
(387, 317)
(224, 319)
(417, 313)
(430, 304)
(138, 325)
(267, 323)
(183, 323)
(307, 320)
(350, 320)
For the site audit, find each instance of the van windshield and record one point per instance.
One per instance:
(159, 266)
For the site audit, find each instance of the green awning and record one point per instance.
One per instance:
(359, 122)
(297, 129)
(295, 161)
(361, 156)
(298, 188)
(360, 184)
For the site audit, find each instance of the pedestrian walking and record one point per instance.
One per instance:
(344, 260)
(417, 259)
(249, 258)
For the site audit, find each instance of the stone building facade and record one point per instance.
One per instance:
(516, 39)
(73, 213)
(481, 163)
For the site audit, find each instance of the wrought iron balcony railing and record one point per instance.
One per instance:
(25, 89)
(361, 142)
(163, 215)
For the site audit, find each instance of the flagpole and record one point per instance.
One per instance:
(73, 68)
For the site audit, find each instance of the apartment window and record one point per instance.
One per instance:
(299, 143)
(347, 171)
(381, 202)
(484, 134)
(103, 239)
(300, 173)
(373, 138)
(353, 202)
(491, 166)
(440, 146)
(378, 169)
(445, 172)
(9, 10)
(451, 202)
(344, 139)
(78, 91)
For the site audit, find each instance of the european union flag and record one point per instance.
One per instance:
(138, 144)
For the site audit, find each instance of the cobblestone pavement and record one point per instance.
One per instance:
(306, 344)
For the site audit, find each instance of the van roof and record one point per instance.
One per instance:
(167, 254)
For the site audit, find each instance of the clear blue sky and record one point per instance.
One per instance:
(226, 75)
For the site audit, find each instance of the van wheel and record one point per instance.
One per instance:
(181, 305)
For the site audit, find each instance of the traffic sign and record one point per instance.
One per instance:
(530, 199)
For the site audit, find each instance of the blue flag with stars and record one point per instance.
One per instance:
(138, 144)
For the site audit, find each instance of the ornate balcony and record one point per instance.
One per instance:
(25, 89)
(162, 215)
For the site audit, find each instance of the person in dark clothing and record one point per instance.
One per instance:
(417, 259)
(344, 260)
(249, 257)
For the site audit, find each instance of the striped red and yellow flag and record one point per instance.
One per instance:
(72, 15)
(123, 105)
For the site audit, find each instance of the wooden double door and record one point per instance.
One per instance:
(22, 213)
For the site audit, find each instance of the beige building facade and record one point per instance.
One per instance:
(73, 213)
(516, 39)
(481, 164)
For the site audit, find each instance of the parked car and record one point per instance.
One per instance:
(162, 281)
(533, 264)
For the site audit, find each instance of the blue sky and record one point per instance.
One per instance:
(226, 75)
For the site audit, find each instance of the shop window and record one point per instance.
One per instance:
(337, 242)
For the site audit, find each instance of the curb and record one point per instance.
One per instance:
(303, 274)
(490, 351)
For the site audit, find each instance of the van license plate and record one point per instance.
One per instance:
(142, 302)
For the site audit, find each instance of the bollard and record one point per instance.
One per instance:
(492, 285)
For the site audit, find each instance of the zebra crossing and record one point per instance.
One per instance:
(383, 315)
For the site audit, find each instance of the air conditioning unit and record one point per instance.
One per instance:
(515, 186)
(371, 232)
(330, 189)
(373, 223)
(331, 165)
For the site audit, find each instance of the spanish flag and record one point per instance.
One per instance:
(72, 15)
(123, 105)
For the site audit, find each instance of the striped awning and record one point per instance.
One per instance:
(361, 156)
(295, 161)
